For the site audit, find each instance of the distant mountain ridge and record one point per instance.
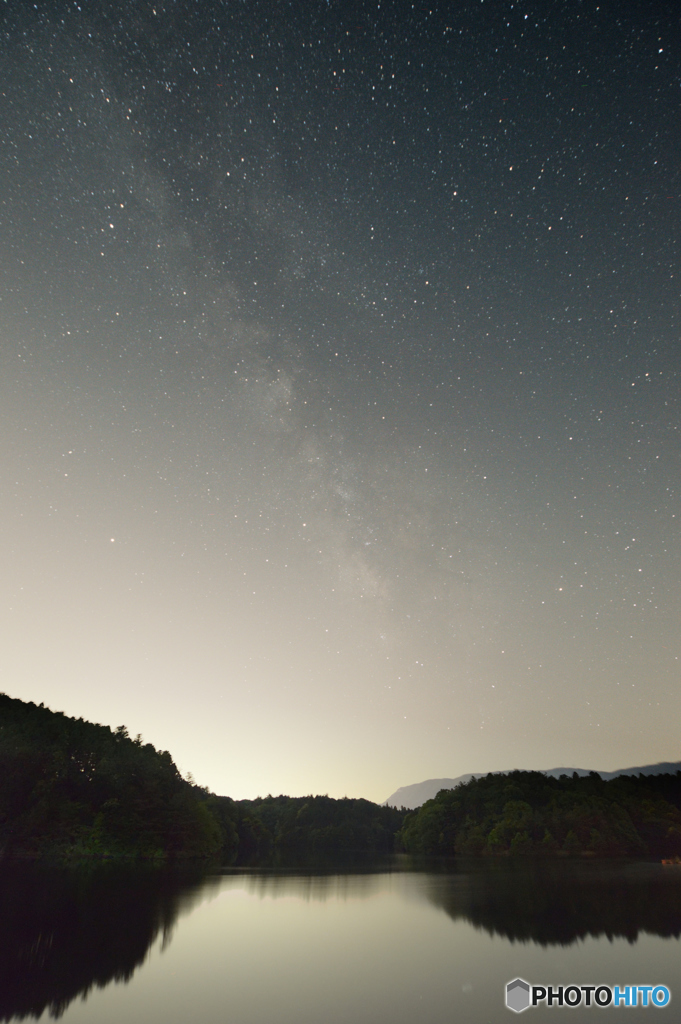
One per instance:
(417, 794)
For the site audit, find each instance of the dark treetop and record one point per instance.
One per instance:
(71, 787)
(530, 813)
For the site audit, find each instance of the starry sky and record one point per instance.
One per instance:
(339, 383)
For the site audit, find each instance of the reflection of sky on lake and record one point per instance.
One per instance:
(379, 948)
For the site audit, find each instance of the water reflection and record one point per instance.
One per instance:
(321, 886)
(540, 901)
(558, 903)
(63, 931)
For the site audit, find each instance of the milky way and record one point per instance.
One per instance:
(339, 383)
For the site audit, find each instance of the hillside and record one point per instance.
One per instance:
(415, 795)
(73, 788)
(67, 785)
(535, 813)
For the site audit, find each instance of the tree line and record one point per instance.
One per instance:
(74, 788)
(71, 787)
(532, 813)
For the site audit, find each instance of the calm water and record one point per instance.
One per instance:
(108, 945)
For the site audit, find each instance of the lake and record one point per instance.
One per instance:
(384, 944)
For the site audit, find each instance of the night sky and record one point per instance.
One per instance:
(340, 383)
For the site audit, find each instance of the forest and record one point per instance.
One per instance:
(75, 789)
(532, 813)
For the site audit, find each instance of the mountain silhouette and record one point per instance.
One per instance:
(415, 795)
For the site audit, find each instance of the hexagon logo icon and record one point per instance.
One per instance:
(517, 995)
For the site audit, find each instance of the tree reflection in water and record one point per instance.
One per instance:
(558, 903)
(62, 931)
